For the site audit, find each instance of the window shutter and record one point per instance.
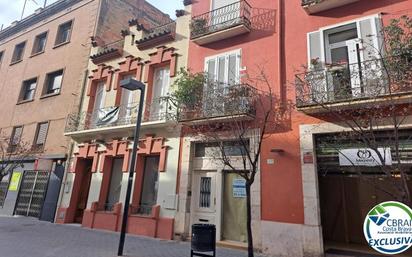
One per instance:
(42, 133)
(221, 78)
(17, 135)
(315, 47)
(233, 69)
(370, 33)
(211, 64)
(319, 91)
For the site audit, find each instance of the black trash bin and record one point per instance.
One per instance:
(203, 240)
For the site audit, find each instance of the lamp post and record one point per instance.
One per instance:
(131, 84)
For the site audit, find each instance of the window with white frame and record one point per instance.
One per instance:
(223, 72)
(343, 55)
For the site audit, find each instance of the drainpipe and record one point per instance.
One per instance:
(71, 148)
(281, 54)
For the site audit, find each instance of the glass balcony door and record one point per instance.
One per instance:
(224, 12)
(222, 73)
(161, 82)
(128, 103)
(99, 100)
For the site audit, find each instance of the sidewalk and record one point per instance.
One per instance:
(21, 237)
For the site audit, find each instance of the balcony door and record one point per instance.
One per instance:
(128, 104)
(223, 72)
(161, 81)
(99, 99)
(343, 52)
(224, 12)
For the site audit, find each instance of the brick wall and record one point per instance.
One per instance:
(115, 14)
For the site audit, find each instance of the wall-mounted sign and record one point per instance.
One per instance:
(364, 157)
(239, 188)
(308, 158)
(15, 181)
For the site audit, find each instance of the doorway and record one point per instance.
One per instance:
(83, 181)
(234, 208)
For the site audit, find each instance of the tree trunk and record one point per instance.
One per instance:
(249, 221)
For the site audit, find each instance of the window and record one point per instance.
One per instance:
(28, 89)
(39, 43)
(18, 52)
(53, 82)
(213, 149)
(224, 69)
(150, 184)
(63, 33)
(351, 52)
(1, 56)
(205, 192)
(15, 138)
(41, 134)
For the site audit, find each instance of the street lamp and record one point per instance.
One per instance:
(132, 85)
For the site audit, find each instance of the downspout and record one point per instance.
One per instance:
(71, 148)
(281, 54)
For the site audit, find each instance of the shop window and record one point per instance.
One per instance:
(115, 188)
(28, 89)
(15, 138)
(53, 83)
(39, 43)
(41, 135)
(64, 33)
(150, 185)
(18, 52)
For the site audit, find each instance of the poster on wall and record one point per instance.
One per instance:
(15, 181)
(239, 188)
(364, 157)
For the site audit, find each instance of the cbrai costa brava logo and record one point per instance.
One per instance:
(388, 228)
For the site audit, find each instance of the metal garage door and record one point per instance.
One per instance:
(32, 192)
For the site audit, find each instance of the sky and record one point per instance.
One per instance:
(11, 10)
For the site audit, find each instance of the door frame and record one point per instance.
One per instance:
(218, 213)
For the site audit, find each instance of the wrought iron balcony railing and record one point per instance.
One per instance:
(221, 101)
(157, 35)
(342, 83)
(220, 19)
(159, 109)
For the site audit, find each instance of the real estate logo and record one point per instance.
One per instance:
(388, 228)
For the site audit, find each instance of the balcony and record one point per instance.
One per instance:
(108, 52)
(355, 85)
(118, 121)
(157, 36)
(315, 6)
(222, 23)
(221, 104)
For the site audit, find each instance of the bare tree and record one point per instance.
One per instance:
(372, 100)
(232, 118)
(13, 153)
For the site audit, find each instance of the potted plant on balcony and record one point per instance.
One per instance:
(187, 95)
(198, 26)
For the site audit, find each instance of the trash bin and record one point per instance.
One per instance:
(203, 239)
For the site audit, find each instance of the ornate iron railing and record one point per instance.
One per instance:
(352, 82)
(143, 209)
(159, 109)
(219, 100)
(220, 19)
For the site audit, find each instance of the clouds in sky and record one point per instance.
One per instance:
(11, 10)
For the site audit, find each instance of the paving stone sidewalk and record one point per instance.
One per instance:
(21, 237)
